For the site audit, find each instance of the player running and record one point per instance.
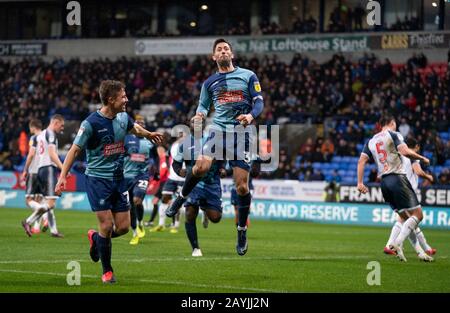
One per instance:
(33, 194)
(236, 95)
(102, 134)
(387, 148)
(139, 154)
(416, 238)
(207, 194)
(49, 163)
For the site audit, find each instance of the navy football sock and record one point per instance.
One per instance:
(190, 182)
(154, 211)
(132, 216)
(104, 249)
(191, 232)
(139, 212)
(243, 204)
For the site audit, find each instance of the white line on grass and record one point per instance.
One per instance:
(180, 283)
(43, 273)
(154, 281)
(203, 259)
(142, 260)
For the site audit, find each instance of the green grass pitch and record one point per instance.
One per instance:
(282, 257)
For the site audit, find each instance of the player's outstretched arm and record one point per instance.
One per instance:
(68, 162)
(409, 153)
(140, 131)
(363, 159)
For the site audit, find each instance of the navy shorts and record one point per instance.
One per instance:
(235, 149)
(33, 188)
(47, 179)
(206, 197)
(137, 187)
(105, 194)
(172, 186)
(398, 192)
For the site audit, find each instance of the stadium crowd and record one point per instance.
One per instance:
(345, 97)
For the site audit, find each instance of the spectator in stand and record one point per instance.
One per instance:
(308, 144)
(327, 149)
(444, 177)
(404, 128)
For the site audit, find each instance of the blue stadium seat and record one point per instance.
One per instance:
(444, 135)
(348, 179)
(347, 159)
(335, 166)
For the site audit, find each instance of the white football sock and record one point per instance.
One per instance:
(415, 243)
(162, 214)
(34, 205)
(44, 218)
(408, 226)
(36, 214)
(421, 238)
(52, 222)
(394, 233)
(134, 232)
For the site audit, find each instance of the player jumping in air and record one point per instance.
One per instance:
(236, 95)
(102, 134)
(387, 148)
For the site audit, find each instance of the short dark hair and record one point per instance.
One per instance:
(386, 119)
(58, 117)
(35, 123)
(411, 142)
(109, 89)
(220, 40)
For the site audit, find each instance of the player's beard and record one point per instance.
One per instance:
(224, 62)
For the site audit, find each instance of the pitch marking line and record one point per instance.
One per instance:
(142, 260)
(161, 282)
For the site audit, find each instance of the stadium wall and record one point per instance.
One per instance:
(397, 46)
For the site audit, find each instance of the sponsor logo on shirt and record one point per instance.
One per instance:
(137, 157)
(113, 148)
(103, 130)
(230, 96)
(257, 86)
